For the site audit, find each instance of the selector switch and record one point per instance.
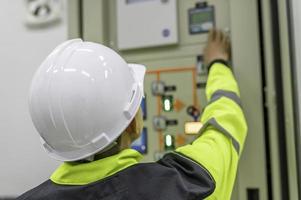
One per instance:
(161, 123)
(158, 88)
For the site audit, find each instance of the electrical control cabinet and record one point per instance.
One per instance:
(175, 80)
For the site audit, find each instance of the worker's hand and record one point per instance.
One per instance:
(218, 47)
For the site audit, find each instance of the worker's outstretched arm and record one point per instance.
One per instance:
(222, 137)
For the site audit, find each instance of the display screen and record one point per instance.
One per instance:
(201, 17)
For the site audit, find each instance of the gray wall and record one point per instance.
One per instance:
(23, 162)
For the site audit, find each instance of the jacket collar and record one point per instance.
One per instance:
(74, 173)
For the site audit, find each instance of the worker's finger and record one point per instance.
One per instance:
(212, 35)
(228, 45)
(220, 36)
(217, 36)
(225, 40)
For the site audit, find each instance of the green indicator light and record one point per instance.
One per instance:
(167, 102)
(169, 142)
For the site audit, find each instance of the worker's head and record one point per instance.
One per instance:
(85, 99)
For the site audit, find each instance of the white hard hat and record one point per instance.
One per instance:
(83, 96)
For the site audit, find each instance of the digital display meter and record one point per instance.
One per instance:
(201, 18)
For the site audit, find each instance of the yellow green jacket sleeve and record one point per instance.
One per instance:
(224, 131)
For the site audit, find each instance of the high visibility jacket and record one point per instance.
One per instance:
(204, 169)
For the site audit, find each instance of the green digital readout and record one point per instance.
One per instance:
(201, 17)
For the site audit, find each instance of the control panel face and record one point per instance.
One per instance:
(173, 103)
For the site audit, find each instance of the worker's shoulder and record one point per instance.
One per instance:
(174, 175)
(36, 192)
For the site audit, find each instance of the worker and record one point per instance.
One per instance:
(85, 103)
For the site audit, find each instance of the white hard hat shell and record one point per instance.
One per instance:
(82, 98)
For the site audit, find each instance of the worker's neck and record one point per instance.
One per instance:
(123, 142)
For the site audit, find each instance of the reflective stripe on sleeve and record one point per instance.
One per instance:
(216, 125)
(223, 93)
